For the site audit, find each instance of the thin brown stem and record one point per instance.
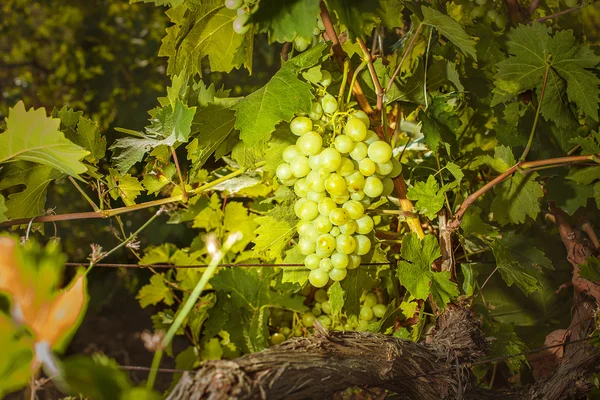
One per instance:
(506, 174)
(586, 226)
(181, 181)
(558, 14)
(533, 6)
(408, 49)
(374, 77)
(514, 10)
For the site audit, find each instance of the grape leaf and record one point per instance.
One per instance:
(590, 145)
(155, 292)
(506, 342)
(390, 12)
(3, 209)
(275, 229)
(353, 285)
(36, 178)
(450, 29)
(516, 198)
(126, 187)
(205, 30)
(428, 196)
(336, 298)
(297, 275)
(17, 356)
(237, 219)
(439, 123)
(585, 175)
(32, 136)
(210, 215)
(532, 49)
(158, 177)
(357, 16)
(286, 19)
(519, 261)
(415, 273)
(568, 195)
(279, 100)
(590, 269)
(83, 132)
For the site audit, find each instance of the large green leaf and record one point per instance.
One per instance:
(451, 29)
(32, 136)
(274, 231)
(82, 131)
(286, 19)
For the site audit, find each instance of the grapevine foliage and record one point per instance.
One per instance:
(340, 176)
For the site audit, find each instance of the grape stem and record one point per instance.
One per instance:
(181, 181)
(378, 89)
(122, 210)
(554, 162)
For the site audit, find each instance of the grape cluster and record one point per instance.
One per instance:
(301, 43)
(335, 185)
(282, 324)
(240, 23)
(371, 311)
(487, 10)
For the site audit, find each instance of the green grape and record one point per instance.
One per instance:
(320, 23)
(318, 278)
(349, 228)
(241, 11)
(284, 172)
(285, 331)
(492, 14)
(306, 247)
(353, 261)
(233, 4)
(316, 31)
(309, 232)
(337, 274)
(326, 307)
(322, 224)
(371, 137)
(301, 187)
(363, 244)
(303, 227)
(299, 166)
(315, 196)
(326, 205)
(301, 44)
(501, 21)
(388, 187)
(370, 300)
(317, 310)
(327, 243)
(344, 144)
(380, 151)
(355, 129)
(385, 168)
(355, 182)
(308, 211)
(290, 182)
(373, 187)
(277, 338)
(360, 151)
(365, 225)
(321, 296)
(316, 180)
(316, 111)
(339, 260)
(366, 313)
(338, 216)
(300, 125)
(357, 195)
(306, 290)
(397, 168)
(326, 81)
(571, 3)
(308, 319)
(341, 199)
(362, 325)
(325, 264)
(360, 114)
(347, 167)
(329, 104)
(335, 231)
(314, 162)
(240, 25)
(478, 12)
(379, 310)
(367, 167)
(310, 143)
(345, 244)
(366, 202)
(297, 332)
(330, 159)
(299, 204)
(354, 209)
(311, 261)
(336, 185)
(289, 153)
(325, 321)
(481, 2)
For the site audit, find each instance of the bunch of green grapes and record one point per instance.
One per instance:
(335, 185)
(487, 9)
(240, 23)
(371, 311)
(301, 43)
(283, 326)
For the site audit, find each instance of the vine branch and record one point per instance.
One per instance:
(378, 89)
(555, 162)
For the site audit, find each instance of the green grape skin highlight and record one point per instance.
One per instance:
(318, 278)
(233, 4)
(380, 152)
(240, 24)
(355, 129)
(337, 274)
(310, 143)
(329, 104)
(301, 125)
